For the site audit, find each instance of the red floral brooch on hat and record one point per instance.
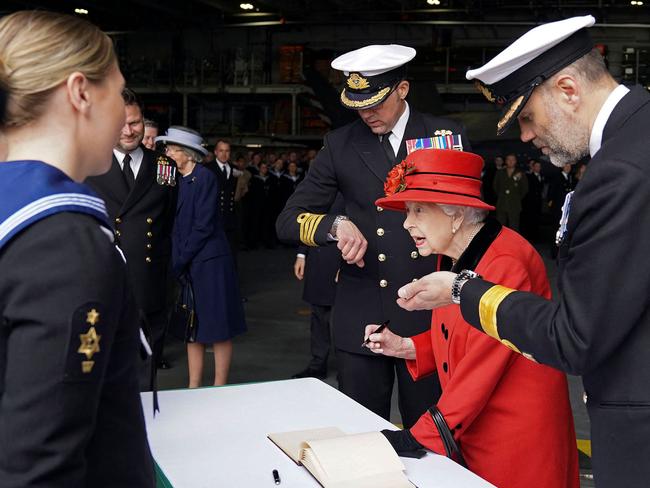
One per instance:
(396, 179)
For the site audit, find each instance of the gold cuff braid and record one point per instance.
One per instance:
(488, 307)
(308, 225)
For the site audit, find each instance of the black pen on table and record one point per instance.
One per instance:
(276, 476)
(376, 331)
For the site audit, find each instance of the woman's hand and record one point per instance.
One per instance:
(388, 343)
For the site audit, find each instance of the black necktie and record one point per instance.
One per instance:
(128, 171)
(388, 148)
(224, 172)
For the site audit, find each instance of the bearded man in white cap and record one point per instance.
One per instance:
(569, 106)
(379, 256)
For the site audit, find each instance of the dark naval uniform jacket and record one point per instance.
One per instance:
(143, 220)
(227, 187)
(599, 326)
(322, 265)
(70, 409)
(353, 163)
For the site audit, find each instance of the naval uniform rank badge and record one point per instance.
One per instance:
(165, 172)
(84, 351)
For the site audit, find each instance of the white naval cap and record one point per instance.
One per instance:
(510, 78)
(372, 72)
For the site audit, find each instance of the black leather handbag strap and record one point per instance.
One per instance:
(452, 449)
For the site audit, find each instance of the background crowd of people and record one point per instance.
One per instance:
(529, 195)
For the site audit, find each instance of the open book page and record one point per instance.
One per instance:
(353, 461)
(293, 442)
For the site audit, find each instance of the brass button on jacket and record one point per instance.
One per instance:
(118, 220)
(149, 234)
(149, 220)
(380, 209)
(149, 246)
(414, 254)
(383, 283)
(118, 233)
(380, 232)
(147, 259)
(382, 257)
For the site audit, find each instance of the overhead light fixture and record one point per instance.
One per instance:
(433, 2)
(636, 3)
(81, 11)
(246, 6)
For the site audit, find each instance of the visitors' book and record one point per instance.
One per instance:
(338, 460)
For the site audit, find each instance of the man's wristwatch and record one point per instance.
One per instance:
(336, 223)
(458, 283)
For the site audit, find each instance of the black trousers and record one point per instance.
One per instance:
(369, 381)
(320, 336)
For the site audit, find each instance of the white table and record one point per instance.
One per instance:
(216, 437)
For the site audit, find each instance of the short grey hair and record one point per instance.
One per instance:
(195, 156)
(590, 68)
(472, 215)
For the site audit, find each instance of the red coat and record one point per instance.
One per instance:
(512, 416)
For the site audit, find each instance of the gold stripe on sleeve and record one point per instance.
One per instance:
(488, 306)
(308, 225)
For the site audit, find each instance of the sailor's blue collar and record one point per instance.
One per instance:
(33, 190)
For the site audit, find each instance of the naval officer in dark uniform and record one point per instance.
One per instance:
(319, 268)
(140, 195)
(227, 179)
(379, 256)
(557, 86)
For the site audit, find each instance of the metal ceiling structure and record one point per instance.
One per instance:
(129, 15)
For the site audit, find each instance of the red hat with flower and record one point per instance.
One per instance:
(444, 176)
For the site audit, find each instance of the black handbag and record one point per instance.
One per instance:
(452, 449)
(183, 323)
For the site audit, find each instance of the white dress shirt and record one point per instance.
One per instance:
(397, 133)
(136, 159)
(222, 166)
(596, 138)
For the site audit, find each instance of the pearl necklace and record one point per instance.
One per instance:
(470, 238)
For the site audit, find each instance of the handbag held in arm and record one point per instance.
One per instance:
(183, 323)
(452, 449)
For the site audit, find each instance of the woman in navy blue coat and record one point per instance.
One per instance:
(201, 252)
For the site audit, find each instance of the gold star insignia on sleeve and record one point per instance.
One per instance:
(92, 317)
(89, 346)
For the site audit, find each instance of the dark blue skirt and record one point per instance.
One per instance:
(217, 300)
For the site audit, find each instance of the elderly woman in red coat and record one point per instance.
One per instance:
(510, 416)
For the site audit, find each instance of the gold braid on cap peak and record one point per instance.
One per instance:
(511, 110)
(364, 103)
(480, 86)
(308, 225)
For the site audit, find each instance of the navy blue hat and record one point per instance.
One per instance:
(510, 78)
